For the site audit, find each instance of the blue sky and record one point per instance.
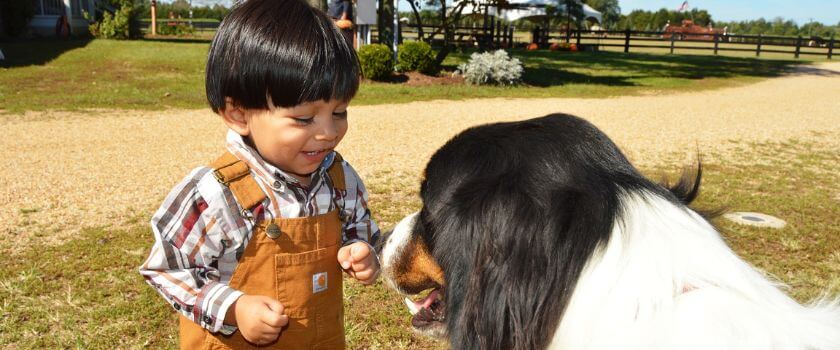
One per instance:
(801, 11)
(825, 11)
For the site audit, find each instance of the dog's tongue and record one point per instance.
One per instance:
(416, 306)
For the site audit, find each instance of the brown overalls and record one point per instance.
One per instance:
(299, 268)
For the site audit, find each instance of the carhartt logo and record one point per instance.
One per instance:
(319, 282)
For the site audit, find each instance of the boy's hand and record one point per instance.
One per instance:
(259, 318)
(359, 261)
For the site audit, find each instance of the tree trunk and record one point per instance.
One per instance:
(418, 19)
(385, 23)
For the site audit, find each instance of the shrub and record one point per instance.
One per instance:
(416, 56)
(532, 47)
(120, 25)
(179, 28)
(492, 68)
(377, 61)
(15, 15)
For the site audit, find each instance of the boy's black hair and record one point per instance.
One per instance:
(282, 49)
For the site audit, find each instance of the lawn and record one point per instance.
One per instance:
(169, 73)
(83, 291)
(87, 294)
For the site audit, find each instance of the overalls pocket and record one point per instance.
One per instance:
(309, 285)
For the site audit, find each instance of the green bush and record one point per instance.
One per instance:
(377, 61)
(123, 24)
(15, 15)
(416, 56)
(178, 29)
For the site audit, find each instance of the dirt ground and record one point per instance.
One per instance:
(68, 171)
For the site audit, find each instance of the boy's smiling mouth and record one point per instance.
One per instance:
(316, 153)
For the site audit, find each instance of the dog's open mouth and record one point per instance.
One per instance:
(429, 313)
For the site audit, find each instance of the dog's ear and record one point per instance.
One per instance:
(523, 248)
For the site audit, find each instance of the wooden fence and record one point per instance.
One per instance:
(497, 35)
(758, 44)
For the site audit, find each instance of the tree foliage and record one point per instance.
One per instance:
(609, 9)
(656, 21)
(181, 8)
(781, 27)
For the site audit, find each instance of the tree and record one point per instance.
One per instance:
(447, 19)
(609, 9)
(566, 11)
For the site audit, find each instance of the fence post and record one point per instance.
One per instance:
(399, 32)
(627, 40)
(758, 47)
(717, 39)
(577, 38)
(830, 46)
(498, 34)
(673, 40)
(510, 35)
(798, 46)
(546, 33)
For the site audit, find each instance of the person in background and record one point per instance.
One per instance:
(342, 13)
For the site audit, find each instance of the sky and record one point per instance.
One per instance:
(801, 11)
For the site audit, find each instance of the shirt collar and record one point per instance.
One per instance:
(265, 170)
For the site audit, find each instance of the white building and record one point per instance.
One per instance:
(47, 13)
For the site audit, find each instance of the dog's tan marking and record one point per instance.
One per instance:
(417, 270)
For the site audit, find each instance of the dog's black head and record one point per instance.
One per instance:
(511, 213)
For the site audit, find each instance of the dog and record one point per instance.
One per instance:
(540, 234)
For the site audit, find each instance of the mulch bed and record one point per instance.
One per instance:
(419, 79)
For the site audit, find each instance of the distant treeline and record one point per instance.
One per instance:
(181, 8)
(656, 20)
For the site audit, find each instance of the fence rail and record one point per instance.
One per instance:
(496, 35)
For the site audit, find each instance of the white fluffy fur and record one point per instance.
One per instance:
(666, 280)
(395, 245)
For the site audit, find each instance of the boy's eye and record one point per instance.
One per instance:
(303, 120)
(340, 115)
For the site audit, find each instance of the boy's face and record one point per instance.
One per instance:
(294, 139)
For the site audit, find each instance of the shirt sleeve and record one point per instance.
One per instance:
(358, 225)
(183, 263)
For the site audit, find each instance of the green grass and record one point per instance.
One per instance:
(169, 73)
(87, 293)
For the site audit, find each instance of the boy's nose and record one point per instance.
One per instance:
(329, 131)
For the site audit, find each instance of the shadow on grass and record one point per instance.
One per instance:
(178, 40)
(546, 77)
(546, 68)
(37, 52)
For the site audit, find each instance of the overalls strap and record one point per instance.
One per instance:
(235, 174)
(336, 172)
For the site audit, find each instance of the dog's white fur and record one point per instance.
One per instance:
(395, 245)
(667, 280)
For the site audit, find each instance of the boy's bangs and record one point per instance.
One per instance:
(331, 73)
(284, 50)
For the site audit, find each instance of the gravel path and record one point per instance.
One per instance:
(67, 171)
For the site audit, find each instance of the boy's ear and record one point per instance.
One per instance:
(235, 118)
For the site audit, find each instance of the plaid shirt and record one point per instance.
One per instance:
(200, 232)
